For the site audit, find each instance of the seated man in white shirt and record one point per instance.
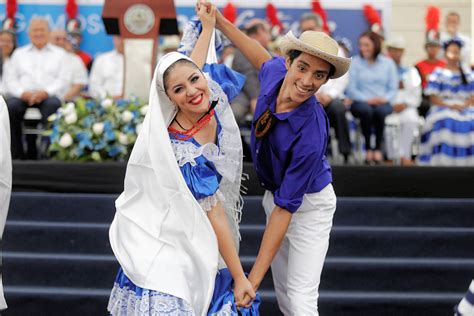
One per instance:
(35, 78)
(405, 106)
(77, 72)
(106, 78)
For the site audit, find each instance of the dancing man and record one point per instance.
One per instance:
(289, 139)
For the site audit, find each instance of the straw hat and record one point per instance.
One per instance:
(318, 44)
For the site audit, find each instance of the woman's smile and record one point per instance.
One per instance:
(196, 100)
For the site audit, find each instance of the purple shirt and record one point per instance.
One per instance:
(290, 160)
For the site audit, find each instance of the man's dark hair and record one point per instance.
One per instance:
(254, 29)
(454, 13)
(309, 16)
(294, 53)
(375, 39)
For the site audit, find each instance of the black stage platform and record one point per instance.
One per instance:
(385, 181)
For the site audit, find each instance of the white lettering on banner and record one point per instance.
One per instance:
(245, 15)
(94, 24)
(91, 23)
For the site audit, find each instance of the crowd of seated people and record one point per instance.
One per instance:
(395, 107)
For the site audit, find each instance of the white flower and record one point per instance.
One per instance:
(65, 141)
(52, 118)
(138, 128)
(127, 116)
(144, 109)
(123, 139)
(71, 118)
(98, 128)
(70, 108)
(95, 156)
(107, 103)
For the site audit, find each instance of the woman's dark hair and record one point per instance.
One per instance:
(453, 41)
(14, 47)
(376, 40)
(294, 53)
(459, 44)
(176, 63)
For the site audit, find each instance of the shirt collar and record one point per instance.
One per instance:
(296, 117)
(32, 47)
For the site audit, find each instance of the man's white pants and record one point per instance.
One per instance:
(399, 143)
(297, 266)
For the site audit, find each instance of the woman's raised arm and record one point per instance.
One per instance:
(207, 16)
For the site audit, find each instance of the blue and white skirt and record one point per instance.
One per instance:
(448, 138)
(128, 299)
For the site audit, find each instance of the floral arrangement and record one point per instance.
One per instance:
(90, 130)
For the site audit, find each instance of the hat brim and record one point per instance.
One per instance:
(341, 64)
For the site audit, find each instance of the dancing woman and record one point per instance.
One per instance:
(181, 203)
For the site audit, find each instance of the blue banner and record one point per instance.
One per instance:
(349, 22)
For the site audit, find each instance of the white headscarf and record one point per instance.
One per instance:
(160, 235)
(5, 176)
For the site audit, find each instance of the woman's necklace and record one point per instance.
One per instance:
(188, 133)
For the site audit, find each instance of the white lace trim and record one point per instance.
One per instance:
(125, 302)
(226, 310)
(209, 202)
(231, 148)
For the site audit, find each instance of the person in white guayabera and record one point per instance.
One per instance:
(400, 126)
(5, 178)
(181, 204)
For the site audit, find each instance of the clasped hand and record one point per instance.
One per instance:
(206, 12)
(244, 293)
(34, 97)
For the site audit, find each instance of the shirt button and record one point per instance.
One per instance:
(262, 184)
(257, 151)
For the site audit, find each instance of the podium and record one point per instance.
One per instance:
(139, 22)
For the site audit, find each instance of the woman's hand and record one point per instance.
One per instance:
(458, 107)
(244, 293)
(206, 12)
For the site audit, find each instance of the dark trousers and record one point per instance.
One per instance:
(336, 112)
(16, 110)
(371, 117)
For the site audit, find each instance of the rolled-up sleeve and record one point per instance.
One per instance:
(298, 177)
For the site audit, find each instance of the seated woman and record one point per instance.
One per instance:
(7, 46)
(181, 203)
(448, 134)
(373, 83)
